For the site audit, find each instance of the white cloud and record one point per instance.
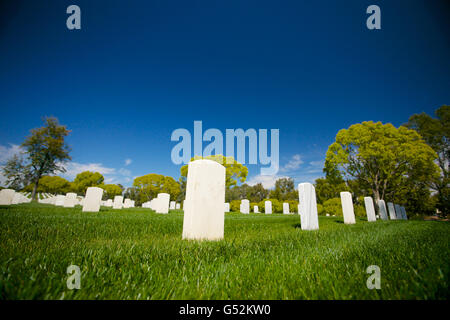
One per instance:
(7, 153)
(268, 182)
(293, 164)
(128, 162)
(74, 168)
(124, 172)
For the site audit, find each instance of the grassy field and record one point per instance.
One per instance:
(138, 254)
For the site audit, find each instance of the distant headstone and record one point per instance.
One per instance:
(109, 203)
(382, 208)
(327, 214)
(227, 207)
(205, 197)
(127, 203)
(118, 202)
(391, 209)
(347, 207)
(309, 219)
(92, 200)
(405, 217)
(268, 207)
(398, 212)
(255, 209)
(370, 209)
(162, 203)
(60, 200)
(172, 205)
(245, 206)
(70, 200)
(177, 206)
(285, 208)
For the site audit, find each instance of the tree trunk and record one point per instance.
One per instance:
(33, 194)
(376, 195)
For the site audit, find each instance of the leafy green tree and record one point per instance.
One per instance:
(257, 193)
(110, 191)
(436, 133)
(148, 187)
(53, 185)
(332, 207)
(328, 188)
(380, 155)
(87, 179)
(17, 174)
(284, 190)
(46, 151)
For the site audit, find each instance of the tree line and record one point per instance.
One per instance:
(408, 165)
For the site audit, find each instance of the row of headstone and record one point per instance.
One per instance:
(10, 196)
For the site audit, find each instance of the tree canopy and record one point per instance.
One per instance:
(381, 156)
(87, 179)
(46, 151)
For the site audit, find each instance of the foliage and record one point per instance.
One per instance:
(380, 156)
(284, 190)
(46, 151)
(252, 193)
(235, 206)
(333, 207)
(327, 188)
(148, 187)
(234, 171)
(17, 174)
(436, 133)
(87, 179)
(110, 191)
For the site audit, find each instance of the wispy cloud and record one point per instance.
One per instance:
(128, 162)
(293, 164)
(74, 168)
(7, 152)
(268, 182)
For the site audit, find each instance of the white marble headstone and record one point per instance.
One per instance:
(347, 207)
(92, 200)
(268, 207)
(382, 208)
(370, 209)
(309, 218)
(391, 209)
(204, 214)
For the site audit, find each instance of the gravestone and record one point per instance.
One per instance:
(285, 208)
(109, 203)
(60, 200)
(92, 200)
(391, 209)
(172, 205)
(204, 214)
(245, 206)
(398, 212)
(127, 203)
(177, 206)
(118, 202)
(370, 209)
(268, 207)
(347, 207)
(162, 204)
(18, 198)
(255, 209)
(227, 207)
(70, 200)
(405, 217)
(309, 218)
(382, 208)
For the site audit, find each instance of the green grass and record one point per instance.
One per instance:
(138, 254)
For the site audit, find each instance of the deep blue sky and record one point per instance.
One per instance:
(137, 70)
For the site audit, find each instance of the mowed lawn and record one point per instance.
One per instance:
(138, 254)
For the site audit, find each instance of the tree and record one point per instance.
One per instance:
(284, 190)
(87, 179)
(111, 190)
(328, 189)
(380, 156)
(436, 133)
(52, 184)
(150, 185)
(46, 150)
(17, 174)
(234, 171)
